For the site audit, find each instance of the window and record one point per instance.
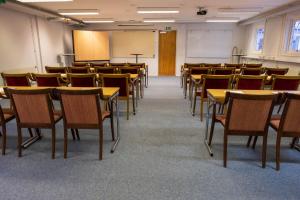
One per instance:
(259, 39)
(295, 37)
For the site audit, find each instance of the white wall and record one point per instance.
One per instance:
(28, 43)
(273, 54)
(238, 40)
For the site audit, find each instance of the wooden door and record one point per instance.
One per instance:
(167, 53)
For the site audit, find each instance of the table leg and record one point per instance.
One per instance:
(33, 139)
(208, 115)
(297, 144)
(115, 101)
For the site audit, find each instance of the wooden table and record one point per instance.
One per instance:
(216, 96)
(110, 94)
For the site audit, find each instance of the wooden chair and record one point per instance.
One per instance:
(209, 82)
(81, 64)
(188, 80)
(104, 70)
(281, 82)
(247, 115)
(248, 82)
(129, 70)
(276, 71)
(6, 115)
(48, 80)
(16, 79)
(34, 109)
(237, 66)
(79, 70)
(223, 71)
(212, 65)
(81, 109)
(82, 80)
(138, 84)
(144, 71)
(56, 70)
(251, 71)
(250, 65)
(184, 72)
(123, 82)
(288, 124)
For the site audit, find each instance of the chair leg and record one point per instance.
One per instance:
(254, 142)
(279, 109)
(293, 142)
(278, 141)
(19, 141)
(30, 132)
(133, 103)
(3, 139)
(112, 127)
(73, 134)
(77, 134)
(65, 142)
(249, 140)
(53, 142)
(201, 110)
(225, 150)
(264, 151)
(101, 143)
(211, 131)
(128, 109)
(194, 104)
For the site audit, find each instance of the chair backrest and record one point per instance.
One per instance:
(129, 70)
(81, 64)
(78, 70)
(199, 70)
(190, 65)
(118, 64)
(104, 70)
(212, 65)
(82, 80)
(248, 82)
(276, 71)
(140, 65)
(16, 79)
(47, 80)
(249, 113)
(251, 71)
(223, 71)
(290, 118)
(237, 66)
(81, 108)
(32, 107)
(55, 70)
(285, 82)
(252, 65)
(117, 80)
(99, 64)
(215, 82)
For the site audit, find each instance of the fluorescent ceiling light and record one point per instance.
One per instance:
(159, 20)
(241, 11)
(229, 20)
(157, 10)
(42, 1)
(95, 21)
(79, 12)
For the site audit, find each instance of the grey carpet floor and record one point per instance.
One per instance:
(161, 156)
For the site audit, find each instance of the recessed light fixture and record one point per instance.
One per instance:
(43, 1)
(70, 12)
(95, 21)
(157, 10)
(240, 11)
(159, 20)
(228, 20)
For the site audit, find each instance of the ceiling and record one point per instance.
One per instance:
(125, 10)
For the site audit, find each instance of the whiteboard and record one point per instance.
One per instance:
(209, 43)
(125, 43)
